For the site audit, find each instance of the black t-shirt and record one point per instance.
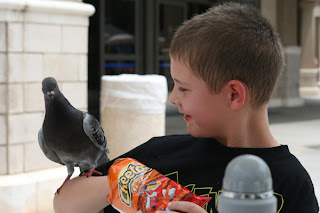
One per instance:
(199, 165)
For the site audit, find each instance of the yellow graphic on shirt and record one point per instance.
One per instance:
(209, 192)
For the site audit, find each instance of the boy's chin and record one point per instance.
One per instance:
(197, 134)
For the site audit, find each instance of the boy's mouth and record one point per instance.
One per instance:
(187, 117)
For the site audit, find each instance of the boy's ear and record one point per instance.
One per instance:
(236, 94)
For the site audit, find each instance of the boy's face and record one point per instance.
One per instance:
(203, 110)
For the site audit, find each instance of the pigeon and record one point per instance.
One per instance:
(69, 136)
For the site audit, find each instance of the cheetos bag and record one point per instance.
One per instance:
(135, 187)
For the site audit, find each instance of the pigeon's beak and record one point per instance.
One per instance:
(50, 94)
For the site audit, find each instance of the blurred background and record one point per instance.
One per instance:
(78, 42)
(133, 36)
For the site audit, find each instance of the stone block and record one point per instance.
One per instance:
(76, 93)
(309, 77)
(24, 128)
(48, 181)
(36, 158)
(72, 43)
(33, 97)
(17, 194)
(15, 98)
(294, 102)
(275, 102)
(31, 192)
(39, 17)
(309, 91)
(83, 67)
(15, 67)
(62, 67)
(10, 15)
(46, 18)
(3, 98)
(3, 68)
(33, 68)
(45, 194)
(292, 88)
(3, 37)
(25, 67)
(3, 160)
(3, 132)
(42, 38)
(58, 19)
(70, 20)
(15, 34)
(15, 159)
(292, 70)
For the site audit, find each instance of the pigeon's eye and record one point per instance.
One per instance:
(43, 87)
(56, 85)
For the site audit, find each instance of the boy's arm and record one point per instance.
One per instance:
(82, 194)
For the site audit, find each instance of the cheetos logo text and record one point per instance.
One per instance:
(125, 181)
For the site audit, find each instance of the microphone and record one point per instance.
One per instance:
(247, 187)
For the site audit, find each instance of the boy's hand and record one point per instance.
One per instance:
(183, 206)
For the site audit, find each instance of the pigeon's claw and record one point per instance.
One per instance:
(68, 178)
(91, 171)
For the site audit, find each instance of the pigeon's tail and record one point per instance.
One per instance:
(103, 159)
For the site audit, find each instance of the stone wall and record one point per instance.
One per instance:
(34, 44)
(38, 38)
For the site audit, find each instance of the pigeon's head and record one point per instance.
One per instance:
(49, 87)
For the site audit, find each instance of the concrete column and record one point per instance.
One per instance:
(38, 38)
(287, 22)
(283, 17)
(287, 90)
(309, 42)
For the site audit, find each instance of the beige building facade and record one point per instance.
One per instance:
(310, 43)
(297, 23)
(284, 16)
(38, 38)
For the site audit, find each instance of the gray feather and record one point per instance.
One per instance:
(49, 153)
(95, 132)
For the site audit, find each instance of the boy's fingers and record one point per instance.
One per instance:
(185, 206)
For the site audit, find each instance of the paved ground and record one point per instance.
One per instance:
(298, 127)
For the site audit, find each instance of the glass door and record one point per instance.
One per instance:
(170, 14)
(122, 37)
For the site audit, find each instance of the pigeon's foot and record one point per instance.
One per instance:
(67, 178)
(92, 170)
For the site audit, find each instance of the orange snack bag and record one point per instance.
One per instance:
(135, 187)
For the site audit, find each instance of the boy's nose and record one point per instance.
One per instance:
(172, 98)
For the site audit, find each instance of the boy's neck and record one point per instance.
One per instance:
(251, 131)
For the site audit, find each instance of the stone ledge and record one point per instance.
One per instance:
(309, 91)
(32, 191)
(43, 6)
(286, 102)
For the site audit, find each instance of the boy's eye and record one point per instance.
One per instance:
(182, 89)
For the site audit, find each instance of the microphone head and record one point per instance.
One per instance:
(247, 187)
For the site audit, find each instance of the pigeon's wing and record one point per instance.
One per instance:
(49, 153)
(94, 131)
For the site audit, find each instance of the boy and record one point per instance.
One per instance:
(225, 64)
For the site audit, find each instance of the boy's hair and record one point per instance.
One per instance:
(231, 42)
